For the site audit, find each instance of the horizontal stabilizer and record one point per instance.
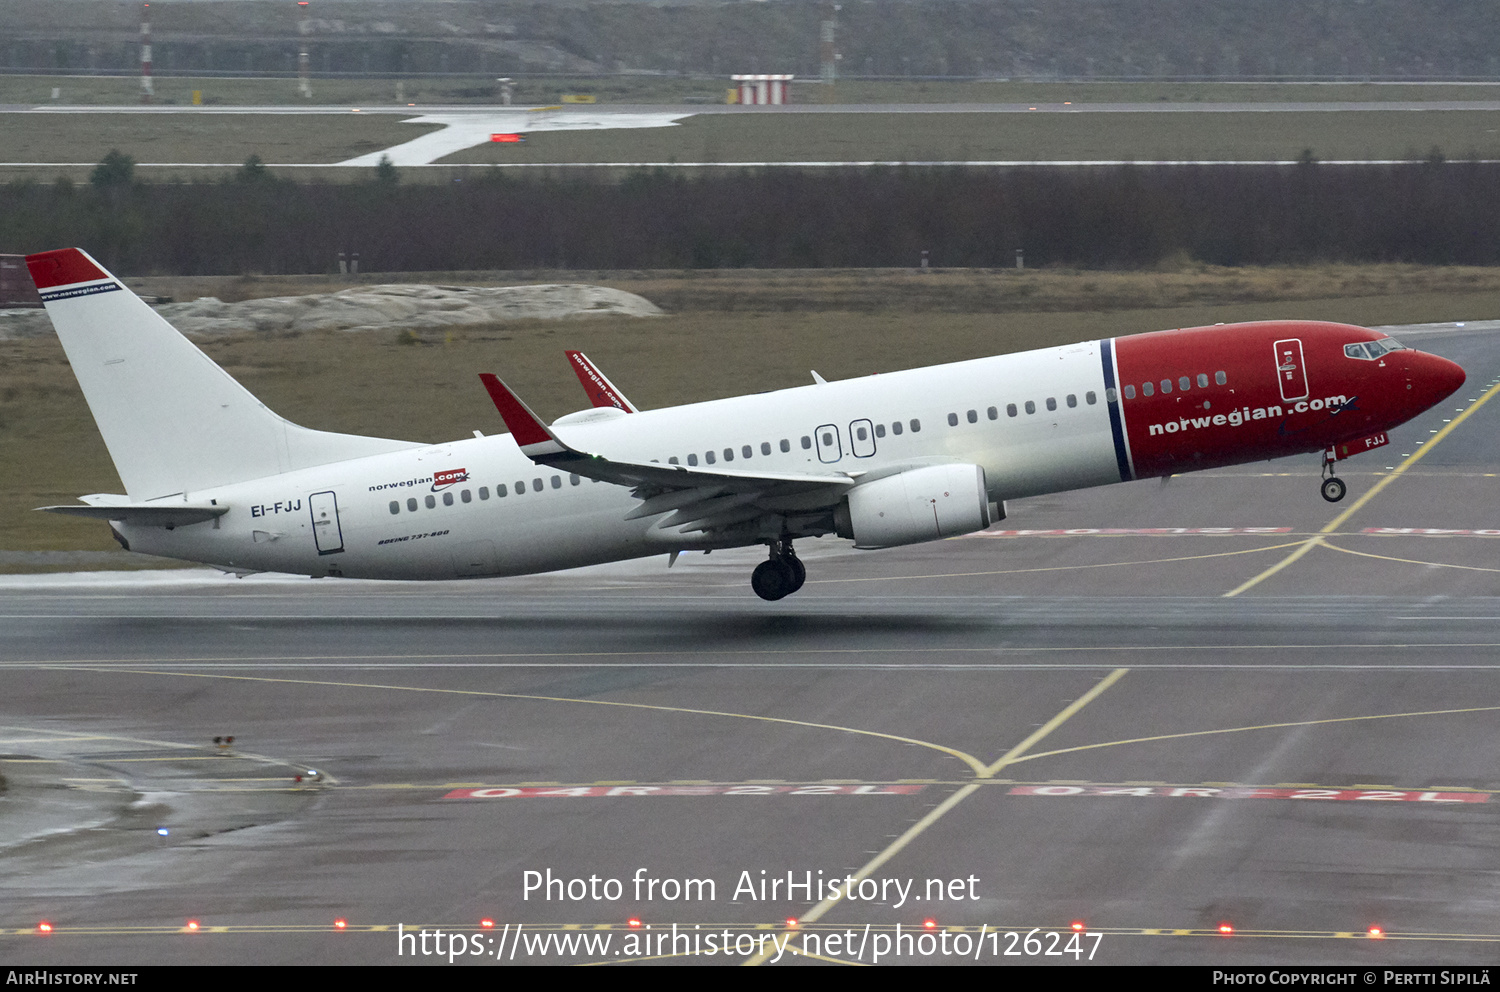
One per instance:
(145, 514)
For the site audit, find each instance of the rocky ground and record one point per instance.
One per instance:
(365, 308)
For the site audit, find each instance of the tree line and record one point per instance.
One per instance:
(1431, 212)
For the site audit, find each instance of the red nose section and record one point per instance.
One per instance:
(1434, 379)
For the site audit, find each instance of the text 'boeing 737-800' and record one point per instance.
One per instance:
(211, 475)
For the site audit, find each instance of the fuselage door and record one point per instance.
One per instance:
(327, 533)
(862, 438)
(830, 447)
(1291, 373)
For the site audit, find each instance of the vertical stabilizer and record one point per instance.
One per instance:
(173, 421)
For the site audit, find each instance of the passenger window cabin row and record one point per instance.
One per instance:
(785, 445)
(1184, 383)
(745, 451)
(993, 413)
(467, 496)
(897, 428)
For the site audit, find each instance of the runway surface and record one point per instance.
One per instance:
(684, 109)
(462, 127)
(1154, 709)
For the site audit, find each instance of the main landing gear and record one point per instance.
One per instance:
(781, 575)
(1333, 487)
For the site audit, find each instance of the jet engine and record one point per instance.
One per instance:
(923, 504)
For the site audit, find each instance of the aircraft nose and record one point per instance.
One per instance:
(1434, 379)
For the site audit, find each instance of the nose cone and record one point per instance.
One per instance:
(1433, 379)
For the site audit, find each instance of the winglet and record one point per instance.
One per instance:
(530, 433)
(602, 392)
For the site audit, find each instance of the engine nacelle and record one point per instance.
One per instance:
(924, 504)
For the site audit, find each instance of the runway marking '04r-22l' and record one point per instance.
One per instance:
(614, 791)
(1245, 792)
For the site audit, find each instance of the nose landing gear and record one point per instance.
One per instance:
(780, 575)
(1333, 487)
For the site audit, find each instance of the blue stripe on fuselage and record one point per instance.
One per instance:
(1111, 396)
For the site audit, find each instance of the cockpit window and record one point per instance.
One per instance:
(1371, 350)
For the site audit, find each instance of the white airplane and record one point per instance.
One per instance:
(211, 475)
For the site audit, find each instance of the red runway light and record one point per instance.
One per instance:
(1376, 933)
(340, 923)
(192, 925)
(1226, 929)
(791, 923)
(930, 923)
(634, 921)
(487, 923)
(44, 927)
(1077, 924)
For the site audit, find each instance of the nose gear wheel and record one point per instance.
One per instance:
(1333, 487)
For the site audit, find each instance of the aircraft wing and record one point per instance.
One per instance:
(701, 499)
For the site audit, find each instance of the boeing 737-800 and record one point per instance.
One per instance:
(211, 475)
